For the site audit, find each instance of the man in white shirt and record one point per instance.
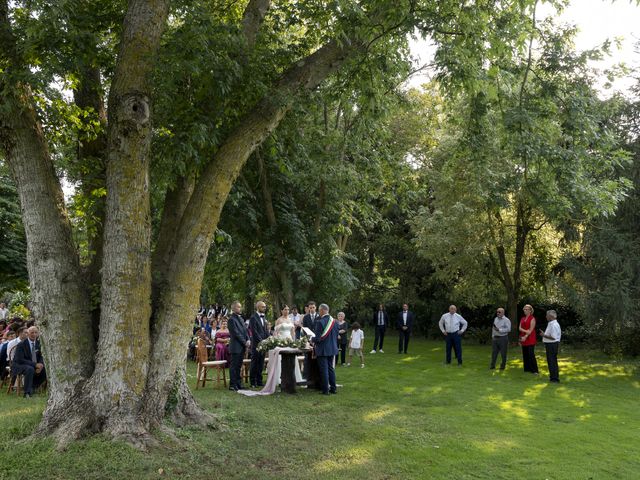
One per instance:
(296, 319)
(11, 347)
(500, 339)
(452, 326)
(551, 339)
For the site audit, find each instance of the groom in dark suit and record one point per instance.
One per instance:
(308, 321)
(239, 341)
(28, 362)
(404, 324)
(259, 332)
(325, 344)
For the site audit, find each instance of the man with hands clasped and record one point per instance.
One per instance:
(500, 339)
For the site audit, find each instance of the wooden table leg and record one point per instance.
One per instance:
(287, 372)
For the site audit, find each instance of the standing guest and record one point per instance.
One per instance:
(404, 324)
(222, 342)
(325, 344)
(499, 339)
(238, 343)
(381, 322)
(528, 340)
(343, 330)
(357, 344)
(551, 339)
(28, 362)
(259, 332)
(296, 319)
(452, 326)
(4, 311)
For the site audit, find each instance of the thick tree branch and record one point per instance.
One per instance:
(201, 216)
(252, 20)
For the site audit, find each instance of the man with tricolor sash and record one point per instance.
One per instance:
(326, 348)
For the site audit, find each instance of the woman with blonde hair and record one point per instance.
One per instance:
(528, 340)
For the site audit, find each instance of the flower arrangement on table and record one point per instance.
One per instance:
(273, 342)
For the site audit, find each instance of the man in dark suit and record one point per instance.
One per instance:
(325, 344)
(404, 324)
(259, 332)
(381, 322)
(28, 362)
(238, 342)
(308, 321)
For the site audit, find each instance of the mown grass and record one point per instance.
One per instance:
(403, 416)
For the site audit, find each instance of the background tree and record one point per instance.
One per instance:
(527, 150)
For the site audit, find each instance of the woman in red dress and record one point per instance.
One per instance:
(528, 340)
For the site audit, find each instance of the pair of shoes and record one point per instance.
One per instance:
(372, 351)
(459, 364)
(362, 366)
(554, 381)
(333, 392)
(254, 386)
(381, 351)
(27, 395)
(492, 368)
(234, 389)
(348, 364)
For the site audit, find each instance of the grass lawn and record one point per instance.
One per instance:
(402, 416)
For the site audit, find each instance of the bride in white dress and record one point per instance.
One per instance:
(285, 329)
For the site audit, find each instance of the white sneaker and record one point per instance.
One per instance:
(362, 366)
(381, 351)
(373, 351)
(348, 364)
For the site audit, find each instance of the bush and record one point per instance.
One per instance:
(482, 335)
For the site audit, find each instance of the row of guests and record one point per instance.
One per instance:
(20, 350)
(453, 325)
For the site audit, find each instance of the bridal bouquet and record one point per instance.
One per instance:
(273, 342)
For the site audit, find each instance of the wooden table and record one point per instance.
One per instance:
(288, 359)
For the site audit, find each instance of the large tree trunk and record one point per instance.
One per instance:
(118, 383)
(59, 295)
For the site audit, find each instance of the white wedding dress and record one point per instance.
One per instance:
(284, 331)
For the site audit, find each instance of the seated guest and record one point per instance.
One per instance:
(6, 338)
(28, 362)
(222, 342)
(19, 335)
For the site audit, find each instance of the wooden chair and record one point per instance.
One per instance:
(16, 382)
(204, 365)
(246, 366)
